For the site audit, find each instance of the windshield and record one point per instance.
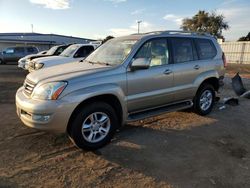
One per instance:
(69, 51)
(113, 52)
(52, 50)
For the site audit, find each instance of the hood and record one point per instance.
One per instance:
(50, 59)
(38, 56)
(31, 56)
(65, 71)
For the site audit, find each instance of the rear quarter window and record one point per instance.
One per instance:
(206, 49)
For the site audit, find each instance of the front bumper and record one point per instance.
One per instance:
(54, 114)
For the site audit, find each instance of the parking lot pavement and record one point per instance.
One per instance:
(179, 149)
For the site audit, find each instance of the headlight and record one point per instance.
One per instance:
(49, 91)
(38, 65)
(30, 63)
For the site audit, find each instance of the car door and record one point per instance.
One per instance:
(186, 67)
(151, 87)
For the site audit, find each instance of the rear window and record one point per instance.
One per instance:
(206, 49)
(182, 50)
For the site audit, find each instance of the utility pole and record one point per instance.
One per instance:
(32, 28)
(138, 22)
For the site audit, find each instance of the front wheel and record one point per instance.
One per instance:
(204, 99)
(93, 126)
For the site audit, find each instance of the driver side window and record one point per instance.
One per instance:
(156, 51)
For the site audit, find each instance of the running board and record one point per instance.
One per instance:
(160, 110)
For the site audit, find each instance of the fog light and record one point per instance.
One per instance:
(42, 118)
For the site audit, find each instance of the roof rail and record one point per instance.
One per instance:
(178, 32)
(186, 32)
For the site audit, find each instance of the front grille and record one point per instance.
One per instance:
(28, 87)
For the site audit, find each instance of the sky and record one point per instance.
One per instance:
(97, 19)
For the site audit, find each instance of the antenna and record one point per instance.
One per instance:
(32, 28)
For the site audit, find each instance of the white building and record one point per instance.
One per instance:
(41, 41)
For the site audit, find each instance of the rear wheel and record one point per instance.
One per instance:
(204, 99)
(93, 126)
(1, 62)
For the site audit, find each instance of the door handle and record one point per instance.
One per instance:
(167, 71)
(197, 67)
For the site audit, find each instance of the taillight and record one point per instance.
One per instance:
(224, 59)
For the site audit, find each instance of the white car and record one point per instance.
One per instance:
(73, 53)
(22, 63)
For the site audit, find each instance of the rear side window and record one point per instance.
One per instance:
(206, 49)
(182, 50)
(156, 51)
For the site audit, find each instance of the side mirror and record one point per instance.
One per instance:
(82, 60)
(140, 63)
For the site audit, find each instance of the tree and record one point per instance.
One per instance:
(107, 38)
(206, 22)
(246, 38)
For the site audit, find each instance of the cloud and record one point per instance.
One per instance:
(173, 18)
(238, 21)
(228, 2)
(138, 11)
(133, 28)
(53, 4)
(116, 1)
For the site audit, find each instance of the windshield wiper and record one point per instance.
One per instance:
(96, 62)
(91, 62)
(102, 63)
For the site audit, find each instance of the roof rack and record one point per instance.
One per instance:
(180, 32)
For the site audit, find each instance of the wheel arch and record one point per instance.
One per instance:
(110, 99)
(212, 81)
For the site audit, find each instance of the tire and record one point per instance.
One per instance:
(2, 62)
(90, 119)
(204, 99)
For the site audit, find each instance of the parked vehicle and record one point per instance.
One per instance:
(126, 79)
(13, 54)
(74, 52)
(54, 51)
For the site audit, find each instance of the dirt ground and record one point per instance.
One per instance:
(179, 149)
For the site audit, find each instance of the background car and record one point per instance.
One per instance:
(73, 53)
(54, 51)
(13, 54)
